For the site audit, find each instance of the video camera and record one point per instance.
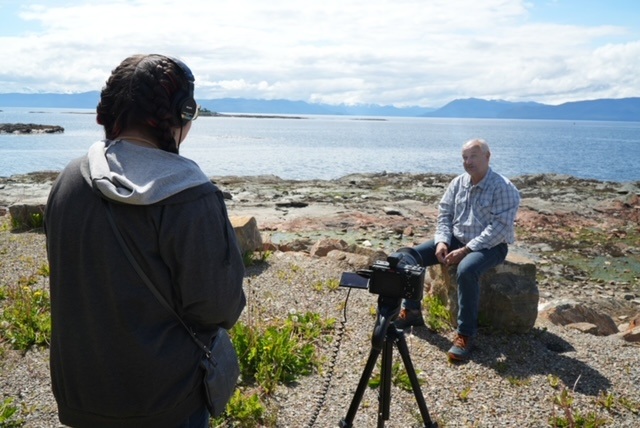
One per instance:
(400, 276)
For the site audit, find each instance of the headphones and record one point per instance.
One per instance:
(184, 104)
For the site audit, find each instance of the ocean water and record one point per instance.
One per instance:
(327, 147)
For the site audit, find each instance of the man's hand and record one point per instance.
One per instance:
(456, 256)
(442, 250)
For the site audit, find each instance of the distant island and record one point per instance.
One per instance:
(621, 109)
(209, 113)
(29, 128)
(206, 112)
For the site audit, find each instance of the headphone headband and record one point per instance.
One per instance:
(184, 104)
(186, 70)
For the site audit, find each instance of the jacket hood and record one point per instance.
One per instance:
(135, 175)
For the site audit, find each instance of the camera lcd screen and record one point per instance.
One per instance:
(353, 280)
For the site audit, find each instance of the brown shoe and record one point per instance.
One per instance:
(409, 317)
(461, 348)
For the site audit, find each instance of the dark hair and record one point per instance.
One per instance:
(141, 92)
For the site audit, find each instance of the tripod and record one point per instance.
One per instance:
(382, 340)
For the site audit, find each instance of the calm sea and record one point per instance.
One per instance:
(327, 147)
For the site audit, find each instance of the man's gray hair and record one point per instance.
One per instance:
(477, 142)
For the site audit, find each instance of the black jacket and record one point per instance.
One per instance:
(119, 358)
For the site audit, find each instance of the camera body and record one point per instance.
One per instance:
(404, 281)
(400, 276)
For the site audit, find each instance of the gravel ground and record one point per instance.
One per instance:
(510, 381)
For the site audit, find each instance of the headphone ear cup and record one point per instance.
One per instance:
(188, 110)
(184, 108)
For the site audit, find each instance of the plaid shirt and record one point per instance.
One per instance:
(480, 216)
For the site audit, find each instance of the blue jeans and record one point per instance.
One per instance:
(199, 419)
(468, 273)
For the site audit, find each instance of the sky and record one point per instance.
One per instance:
(387, 52)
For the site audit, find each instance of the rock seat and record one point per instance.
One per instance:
(508, 294)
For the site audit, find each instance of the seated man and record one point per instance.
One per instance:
(475, 224)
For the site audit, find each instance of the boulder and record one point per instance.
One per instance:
(632, 335)
(566, 312)
(635, 322)
(356, 256)
(268, 245)
(584, 327)
(508, 294)
(322, 247)
(355, 261)
(297, 245)
(247, 233)
(27, 216)
(372, 254)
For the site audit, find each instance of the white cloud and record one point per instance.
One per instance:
(402, 52)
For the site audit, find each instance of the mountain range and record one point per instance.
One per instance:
(622, 109)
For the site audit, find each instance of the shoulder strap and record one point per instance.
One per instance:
(148, 282)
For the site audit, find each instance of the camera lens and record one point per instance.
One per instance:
(408, 256)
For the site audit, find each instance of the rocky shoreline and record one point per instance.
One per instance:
(561, 219)
(583, 236)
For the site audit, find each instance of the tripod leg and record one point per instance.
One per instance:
(386, 368)
(415, 384)
(362, 385)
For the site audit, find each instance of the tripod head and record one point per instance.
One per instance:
(388, 310)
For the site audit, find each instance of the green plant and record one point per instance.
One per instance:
(35, 221)
(289, 274)
(373, 311)
(247, 258)
(632, 406)
(464, 394)
(606, 400)
(399, 377)
(570, 417)
(44, 270)
(8, 415)
(554, 381)
(279, 352)
(330, 285)
(333, 284)
(243, 411)
(438, 317)
(518, 381)
(609, 402)
(310, 325)
(26, 318)
(250, 258)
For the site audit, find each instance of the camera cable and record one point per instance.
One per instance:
(331, 366)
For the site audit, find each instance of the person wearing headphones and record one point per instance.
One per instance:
(118, 357)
